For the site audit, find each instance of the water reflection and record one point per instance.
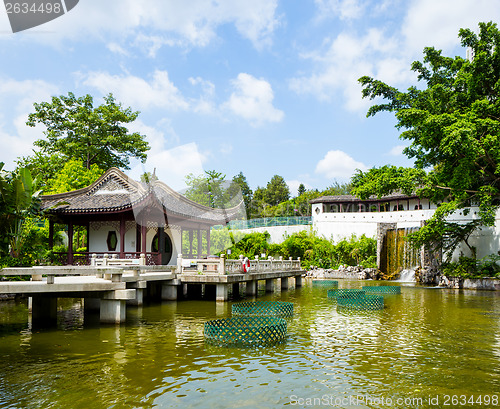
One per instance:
(424, 342)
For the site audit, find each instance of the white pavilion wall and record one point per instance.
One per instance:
(98, 234)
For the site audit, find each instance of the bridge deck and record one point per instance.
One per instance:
(117, 284)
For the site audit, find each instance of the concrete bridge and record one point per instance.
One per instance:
(110, 284)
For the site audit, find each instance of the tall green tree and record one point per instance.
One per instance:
(19, 201)
(277, 191)
(74, 175)
(337, 188)
(94, 135)
(211, 190)
(240, 182)
(301, 190)
(452, 122)
(42, 166)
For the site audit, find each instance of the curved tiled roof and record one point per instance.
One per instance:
(114, 192)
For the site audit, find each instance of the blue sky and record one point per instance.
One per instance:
(263, 87)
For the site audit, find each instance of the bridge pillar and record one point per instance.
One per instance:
(169, 292)
(221, 292)
(236, 290)
(44, 311)
(284, 283)
(270, 285)
(112, 311)
(139, 297)
(298, 281)
(141, 288)
(251, 287)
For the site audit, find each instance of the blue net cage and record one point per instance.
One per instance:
(246, 331)
(382, 289)
(345, 292)
(264, 308)
(366, 302)
(325, 283)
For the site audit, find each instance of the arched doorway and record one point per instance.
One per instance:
(166, 250)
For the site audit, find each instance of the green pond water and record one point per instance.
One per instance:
(427, 347)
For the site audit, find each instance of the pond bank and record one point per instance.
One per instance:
(348, 272)
(360, 273)
(485, 283)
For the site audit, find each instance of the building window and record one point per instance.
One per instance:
(112, 240)
(167, 248)
(334, 208)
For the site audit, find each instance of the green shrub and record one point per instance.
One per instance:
(312, 249)
(468, 267)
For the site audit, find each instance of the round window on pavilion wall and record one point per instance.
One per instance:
(167, 248)
(112, 240)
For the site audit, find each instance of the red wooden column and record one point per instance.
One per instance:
(51, 234)
(122, 238)
(70, 243)
(144, 231)
(137, 238)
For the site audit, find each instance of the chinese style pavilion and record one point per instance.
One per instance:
(125, 218)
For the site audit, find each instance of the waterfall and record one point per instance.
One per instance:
(398, 256)
(407, 276)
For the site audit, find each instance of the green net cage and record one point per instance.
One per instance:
(366, 302)
(326, 283)
(345, 292)
(265, 308)
(383, 289)
(246, 331)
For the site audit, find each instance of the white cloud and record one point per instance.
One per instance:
(343, 9)
(342, 60)
(16, 102)
(346, 59)
(253, 100)
(134, 91)
(397, 150)
(192, 23)
(172, 165)
(205, 103)
(293, 185)
(153, 43)
(436, 23)
(117, 49)
(338, 164)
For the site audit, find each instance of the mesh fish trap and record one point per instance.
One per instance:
(345, 292)
(366, 302)
(326, 283)
(246, 331)
(383, 289)
(265, 308)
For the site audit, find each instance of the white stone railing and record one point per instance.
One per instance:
(105, 260)
(223, 266)
(113, 272)
(36, 273)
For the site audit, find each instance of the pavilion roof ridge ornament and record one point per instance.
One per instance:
(116, 175)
